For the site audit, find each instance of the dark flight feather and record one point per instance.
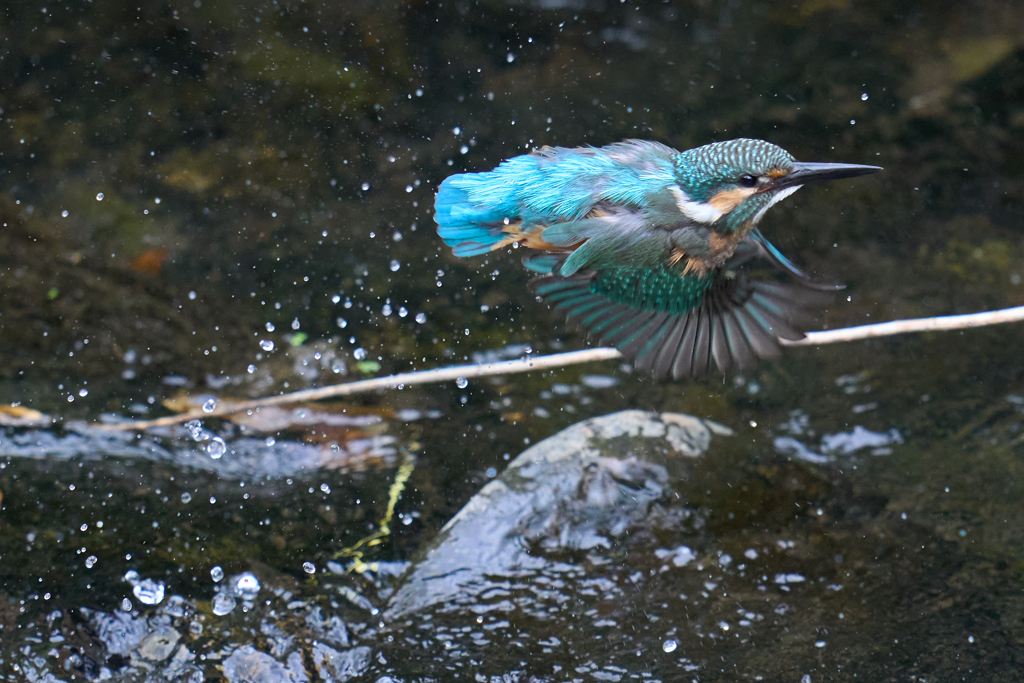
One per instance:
(680, 325)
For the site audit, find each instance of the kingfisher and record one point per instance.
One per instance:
(640, 244)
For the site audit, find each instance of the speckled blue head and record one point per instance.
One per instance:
(728, 186)
(704, 171)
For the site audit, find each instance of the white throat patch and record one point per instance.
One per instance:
(779, 196)
(695, 211)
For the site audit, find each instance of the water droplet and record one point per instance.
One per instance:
(217, 448)
(402, 311)
(266, 345)
(222, 604)
(864, 97)
(359, 354)
(464, 149)
(325, 488)
(126, 605)
(217, 574)
(670, 645)
(195, 430)
(421, 318)
(270, 327)
(386, 310)
(99, 198)
(309, 567)
(341, 322)
(149, 592)
(245, 586)
(408, 188)
(83, 392)
(336, 299)
(510, 58)
(64, 213)
(210, 405)
(395, 265)
(186, 497)
(365, 186)
(462, 382)
(91, 561)
(192, 296)
(251, 368)
(296, 324)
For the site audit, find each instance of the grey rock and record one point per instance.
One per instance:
(159, 644)
(337, 667)
(578, 489)
(249, 665)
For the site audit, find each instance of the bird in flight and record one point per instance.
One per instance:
(640, 244)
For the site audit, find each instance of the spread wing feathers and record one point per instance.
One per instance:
(680, 329)
(474, 211)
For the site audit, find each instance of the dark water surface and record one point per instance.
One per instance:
(183, 183)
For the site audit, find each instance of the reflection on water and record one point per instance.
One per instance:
(236, 201)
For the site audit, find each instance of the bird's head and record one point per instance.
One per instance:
(730, 185)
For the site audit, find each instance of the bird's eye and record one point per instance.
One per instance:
(748, 180)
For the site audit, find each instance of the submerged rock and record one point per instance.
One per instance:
(249, 665)
(159, 644)
(336, 667)
(575, 491)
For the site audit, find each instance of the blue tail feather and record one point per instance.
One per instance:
(470, 229)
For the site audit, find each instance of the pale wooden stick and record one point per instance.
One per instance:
(559, 360)
(508, 367)
(940, 324)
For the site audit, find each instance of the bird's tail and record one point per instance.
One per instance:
(480, 212)
(469, 228)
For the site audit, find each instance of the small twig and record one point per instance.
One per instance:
(559, 360)
(508, 367)
(939, 324)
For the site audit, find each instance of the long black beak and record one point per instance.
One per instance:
(810, 172)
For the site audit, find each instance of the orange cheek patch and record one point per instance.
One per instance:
(777, 173)
(727, 200)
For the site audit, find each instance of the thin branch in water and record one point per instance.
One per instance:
(940, 324)
(560, 360)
